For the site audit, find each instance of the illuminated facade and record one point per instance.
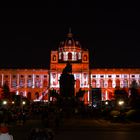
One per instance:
(35, 83)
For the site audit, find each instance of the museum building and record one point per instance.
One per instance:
(36, 83)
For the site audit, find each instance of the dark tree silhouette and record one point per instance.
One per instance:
(135, 95)
(121, 94)
(6, 91)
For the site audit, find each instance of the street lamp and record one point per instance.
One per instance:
(23, 102)
(4, 102)
(121, 103)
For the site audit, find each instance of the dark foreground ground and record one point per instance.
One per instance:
(76, 128)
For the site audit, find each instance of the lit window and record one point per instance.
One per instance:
(125, 83)
(14, 76)
(13, 83)
(101, 83)
(125, 76)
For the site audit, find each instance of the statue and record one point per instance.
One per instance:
(67, 81)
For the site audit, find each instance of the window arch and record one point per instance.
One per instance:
(69, 56)
(29, 95)
(110, 83)
(117, 83)
(101, 83)
(125, 83)
(94, 83)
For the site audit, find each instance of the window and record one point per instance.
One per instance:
(29, 83)
(117, 83)
(109, 76)
(6, 76)
(29, 76)
(110, 83)
(94, 83)
(85, 57)
(101, 83)
(21, 76)
(14, 83)
(69, 56)
(14, 76)
(117, 76)
(54, 57)
(125, 76)
(37, 83)
(21, 82)
(101, 76)
(125, 83)
(94, 76)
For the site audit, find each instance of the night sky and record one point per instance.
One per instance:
(112, 35)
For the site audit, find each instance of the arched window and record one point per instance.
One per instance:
(117, 83)
(110, 83)
(54, 57)
(45, 83)
(69, 56)
(85, 57)
(29, 95)
(94, 83)
(101, 83)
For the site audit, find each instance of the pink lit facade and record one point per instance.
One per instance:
(35, 83)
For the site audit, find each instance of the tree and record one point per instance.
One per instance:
(121, 94)
(134, 99)
(6, 91)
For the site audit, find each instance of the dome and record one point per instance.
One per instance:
(70, 49)
(70, 44)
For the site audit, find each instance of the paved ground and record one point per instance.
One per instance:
(81, 128)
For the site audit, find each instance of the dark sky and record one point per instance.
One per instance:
(111, 33)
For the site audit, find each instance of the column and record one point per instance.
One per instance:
(33, 81)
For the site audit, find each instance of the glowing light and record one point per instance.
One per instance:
(120, 103)
(17, 92)
(23, 102)
(4, 102)
(13, 102)
(106, 102)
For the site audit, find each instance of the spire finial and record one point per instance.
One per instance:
(70, 34)
(69, 29)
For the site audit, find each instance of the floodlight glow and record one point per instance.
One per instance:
(23, 102)
(13, 102)
(106, 102)
(120, 103)
(4, 102)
